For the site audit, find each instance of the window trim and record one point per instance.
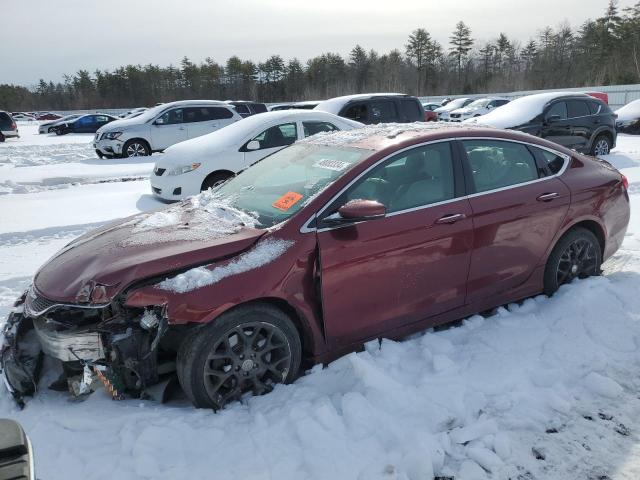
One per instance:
(456, 152)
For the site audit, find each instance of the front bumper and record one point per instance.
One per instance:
(174, 187)
(116, 346)
(109, 148)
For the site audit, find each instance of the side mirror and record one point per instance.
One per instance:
(253, 145)
(357, 211)
(553, 118)
(159, 121)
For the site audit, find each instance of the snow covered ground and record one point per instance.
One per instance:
(548, 389)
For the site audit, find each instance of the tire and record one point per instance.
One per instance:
(135, 148)
(601, 145)
(1, 138)
(245, 357)
(60, 131)
(50, 130)
(214, 179)
(576, 255)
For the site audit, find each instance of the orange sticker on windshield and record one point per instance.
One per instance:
(287, 201)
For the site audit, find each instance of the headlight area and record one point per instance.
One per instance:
(111, 135)
(183, 169)
(127, 350)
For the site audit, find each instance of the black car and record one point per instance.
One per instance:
(371, 108)
(628, 120)
(246, 109)
(577, 121)
(84, 124)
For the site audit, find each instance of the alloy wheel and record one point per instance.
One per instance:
(602, 148)
(579, 260)
(251, 357)
(136, 150)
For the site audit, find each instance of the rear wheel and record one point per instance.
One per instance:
(1, 137)
(246, 351)
(576, 255)
(136, 148)
(601, 146)
(215, 179)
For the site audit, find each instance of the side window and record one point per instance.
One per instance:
(259, 107)
(410, 110)
(84, 121)
(242, 109)
(554, 162)
(595, 107)
(496, 164)
(278, 136)
(383, 111)
(418, 177)
(358, 112)
(577, 108)
(559, 108)
(219, 113)
(172, 117)
(311, 128)
(101, 119)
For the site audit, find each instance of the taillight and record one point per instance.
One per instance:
(14, 126)
(426, 117)
(625, 182)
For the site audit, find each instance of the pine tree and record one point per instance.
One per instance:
(461, 44)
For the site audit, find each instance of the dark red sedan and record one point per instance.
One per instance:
(334, 241)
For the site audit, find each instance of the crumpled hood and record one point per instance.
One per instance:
(195, 232)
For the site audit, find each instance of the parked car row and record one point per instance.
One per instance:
(8, 127)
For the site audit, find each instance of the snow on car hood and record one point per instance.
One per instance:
(631, 111)
(521, 110)
(194, 232)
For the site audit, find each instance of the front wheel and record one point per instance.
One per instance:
(135, 148)
(246, 351)
(601, 146)
(215, 179)
(576, 255)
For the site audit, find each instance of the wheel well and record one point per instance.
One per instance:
(141, 140)
(606, 133)
(227, 172)
(296, 317)
(594, 228)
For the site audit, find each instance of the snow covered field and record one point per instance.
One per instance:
(548, 389)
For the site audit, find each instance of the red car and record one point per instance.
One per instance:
(324, 245)
(48, 116)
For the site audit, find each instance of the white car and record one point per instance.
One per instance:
(444, 111)
(22, 117)
(196, 165)
(477, 108)
(159, 127)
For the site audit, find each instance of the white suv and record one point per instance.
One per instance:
(162, 126)
(477, 108)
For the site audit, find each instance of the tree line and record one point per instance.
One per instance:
(604, 51)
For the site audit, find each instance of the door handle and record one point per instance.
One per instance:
(453, 218)
(547, 197)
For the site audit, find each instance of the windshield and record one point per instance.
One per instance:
(281, 184)
(457, 103)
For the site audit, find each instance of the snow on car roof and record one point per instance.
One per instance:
(630, 111)
(360, 137)
(522, 110)
(333, 105)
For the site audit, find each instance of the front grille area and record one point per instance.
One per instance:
(37, 304)
(159, 171)
(455, 115)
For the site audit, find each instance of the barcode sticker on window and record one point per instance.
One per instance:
(335, 165)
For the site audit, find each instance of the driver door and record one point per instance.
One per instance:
(386, 273)
(168, 129)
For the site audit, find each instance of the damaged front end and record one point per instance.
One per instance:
(121, 346)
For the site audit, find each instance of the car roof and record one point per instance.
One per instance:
(334, 105)
(398, 135)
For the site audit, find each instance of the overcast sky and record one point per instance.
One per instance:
(53, 38)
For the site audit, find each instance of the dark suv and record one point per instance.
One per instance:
(8, 127)
(372, 108)
(246, 109)
(577, 121)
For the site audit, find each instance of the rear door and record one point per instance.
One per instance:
(202, 120)
(581, 123)
(518, 206)
(168, 129)
(410, 110)
(412, 264)
(383, 111)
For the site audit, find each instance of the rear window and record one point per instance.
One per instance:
(242, 109)
(5, 120)
(410, 110)
(259, 108)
